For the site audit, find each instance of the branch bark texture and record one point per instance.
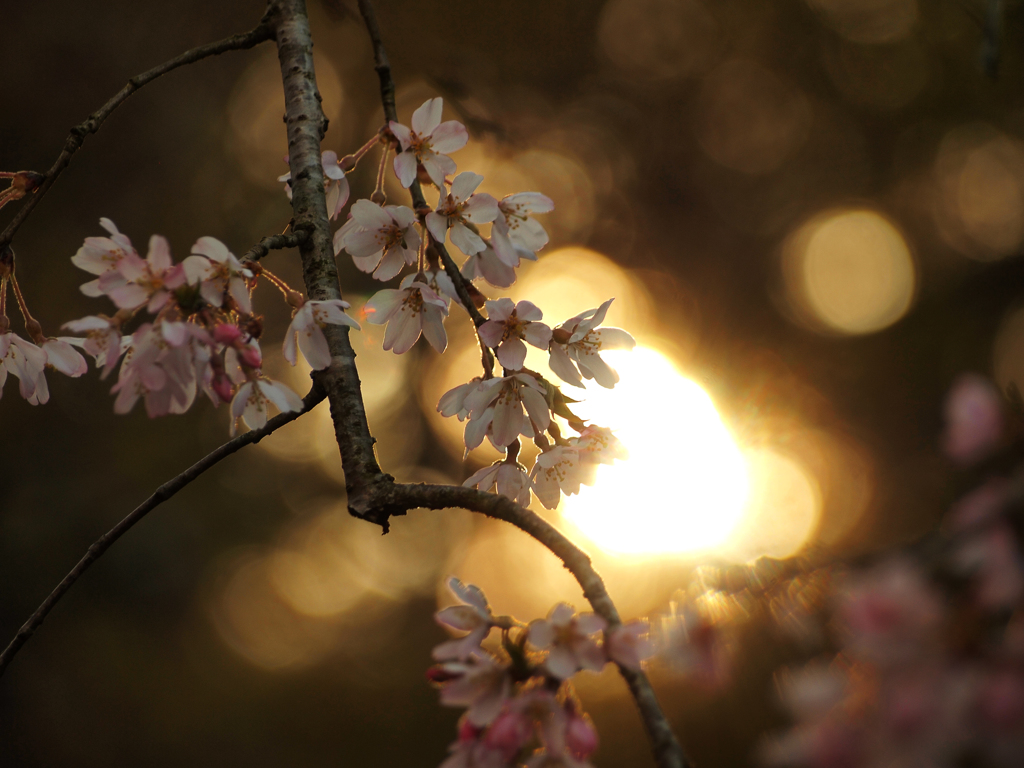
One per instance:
(160, 495)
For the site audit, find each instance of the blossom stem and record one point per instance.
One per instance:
(21, 301)
(159, 496)
(381, 170)
(280, 284)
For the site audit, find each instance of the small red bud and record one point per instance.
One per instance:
(251, 357)
(225, 333)
(222, 388)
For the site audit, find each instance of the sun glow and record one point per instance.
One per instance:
(684, 488)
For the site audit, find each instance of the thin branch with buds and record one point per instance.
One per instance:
(159, 496)
(243, 41)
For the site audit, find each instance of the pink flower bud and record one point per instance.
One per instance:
(251, 357)
(222, 387)
(467, 731)
(226, 333)
(509, 733)
(974, 419)
(580, 736)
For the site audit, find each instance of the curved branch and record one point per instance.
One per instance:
(160, 495)
(667, 751)
(76, 137)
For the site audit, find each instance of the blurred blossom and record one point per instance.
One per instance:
(868, 21)
(849, 271)
(658, 39)
(979, 177)
(749, 119)
(974, 419)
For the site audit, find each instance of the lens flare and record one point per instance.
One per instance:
(685, 485)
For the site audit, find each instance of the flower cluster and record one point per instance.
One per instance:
(520, 704)
(200, 334)
(930, 669)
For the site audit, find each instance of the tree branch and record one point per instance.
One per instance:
(160, 495)
(77, 135)
(275, 243)
(667, 751)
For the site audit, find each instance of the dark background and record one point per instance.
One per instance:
(131, 668)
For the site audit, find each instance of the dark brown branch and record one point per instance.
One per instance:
(275, 243)
(667, 751)
(77, 135)
(306, 125)
(160, 495)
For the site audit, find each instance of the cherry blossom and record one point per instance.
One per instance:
(598, 445)
(63, 357)
(497, 404)
(308, 326)
(974, 419)
(409, 311)
(577, 343)
(381, 240)
(508, 325)
(558, 471)
(568, 638)
(135, 281)
(99, 255)
(335, 183)
(469, 751)
(508, 479)
(488, 265)
(428, 143)
(251, 399)
(480, 683)
(515, 226)
(218, 272)
(628, 645)
(453, 402)
(28, 363)
(473, 616)
(103, 339)
(460, 207)
(511, 731)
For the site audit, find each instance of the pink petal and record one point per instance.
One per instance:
(449, 136)
(428, 116)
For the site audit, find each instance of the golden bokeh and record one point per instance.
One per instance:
(869, 21)
(684, 486)
(749, 119)
(255, 108)
(849, 271)
(784, 509)
(979, 175)
(658, 39)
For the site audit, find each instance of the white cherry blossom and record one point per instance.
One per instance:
(428, 143)
(558, 471)
(459, 207)
(308, 324)
(381, 240)
(335, 183)
(135, 281)
(508, 325)
(218, 272)
(508, 479)
(487, 265)
(409, 311)
(453, 402)
(251, 400)
(515, 226)
(103, 340)
(28, 363)
(598, 445)
(569, 640)
(578, 342)
(63, 357)
(498, 404)
(473, 616)
(480, 683)
(101, 254)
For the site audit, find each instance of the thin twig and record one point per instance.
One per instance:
(275, 243)
(160, 495)
(667, 751)
(77, 135)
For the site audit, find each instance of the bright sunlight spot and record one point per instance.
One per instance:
(685, 485)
